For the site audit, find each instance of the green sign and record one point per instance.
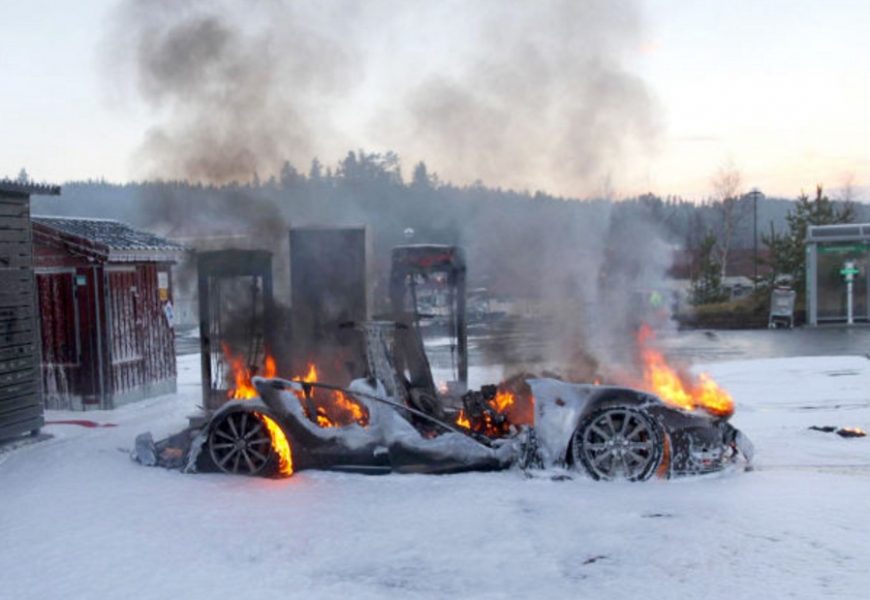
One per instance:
(852, 271)
(841, 249)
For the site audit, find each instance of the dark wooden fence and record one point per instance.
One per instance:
(20, 391)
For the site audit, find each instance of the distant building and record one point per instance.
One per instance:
(21, 406)
(105, 303)
(737, 286)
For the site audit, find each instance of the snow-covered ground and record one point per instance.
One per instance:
(78, 519)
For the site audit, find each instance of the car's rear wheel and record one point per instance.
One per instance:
(618, 442)
(239, 444)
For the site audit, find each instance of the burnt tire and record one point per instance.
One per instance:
(239, 444)
(618, 443)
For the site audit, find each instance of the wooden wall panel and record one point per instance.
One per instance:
(160, 337)
(61, 345)
(20, 385)
(126, 331)
(141, 342)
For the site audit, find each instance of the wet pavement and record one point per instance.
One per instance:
(186, 340)
(528, 342)
(710, 346)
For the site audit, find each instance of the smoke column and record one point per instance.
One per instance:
(514, 93)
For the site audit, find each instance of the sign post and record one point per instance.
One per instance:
(848, 272)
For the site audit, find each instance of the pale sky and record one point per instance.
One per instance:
(778, 88)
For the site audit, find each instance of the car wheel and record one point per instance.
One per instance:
(239, 444)
(618, 442)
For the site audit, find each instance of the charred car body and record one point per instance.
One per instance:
(400, 422)
(607, 432)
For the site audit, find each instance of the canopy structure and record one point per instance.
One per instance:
(838, 288)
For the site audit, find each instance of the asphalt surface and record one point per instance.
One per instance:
(530, 342)
(709, 346)
(186, 342)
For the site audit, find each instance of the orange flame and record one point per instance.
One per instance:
(270, 370)
(280, 445)
(501, 405)
(495, 421)
(355, 410)
(339, 410)
(503, 401)
(855, 431)
(311, 376)
(680, 389)
(241, 387)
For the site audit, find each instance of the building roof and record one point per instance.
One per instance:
(846, 232)
(111, 240)
(17, 188)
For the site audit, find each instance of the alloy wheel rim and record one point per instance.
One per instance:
(240, 444)
(618, 444)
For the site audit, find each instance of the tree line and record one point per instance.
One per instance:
(511, 237)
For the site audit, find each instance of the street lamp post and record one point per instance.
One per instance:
(755, 194)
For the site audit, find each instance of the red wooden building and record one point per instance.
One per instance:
(105, 303)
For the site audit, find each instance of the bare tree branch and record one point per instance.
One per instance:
(730, 207)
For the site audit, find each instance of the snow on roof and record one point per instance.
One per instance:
(122, 241)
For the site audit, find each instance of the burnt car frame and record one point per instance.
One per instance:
(605, 431)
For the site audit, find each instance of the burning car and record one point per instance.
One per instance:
(397, 420)
(608, 432)
(605, 431)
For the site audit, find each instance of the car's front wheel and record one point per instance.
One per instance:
(239, 443)
(618, 442)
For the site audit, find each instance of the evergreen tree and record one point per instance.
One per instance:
(420, 178)
(787, 251)
(316, 170)
(290, 176)
(707, 281)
